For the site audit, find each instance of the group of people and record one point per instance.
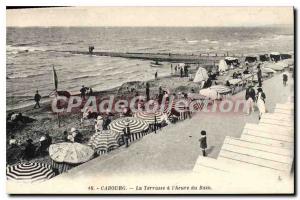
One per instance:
(85, 91)
(29, 149)
(259, 97)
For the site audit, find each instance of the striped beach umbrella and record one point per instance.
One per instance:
(136, 125)
(67, 152)
(104, 141)
(150, 116)
(29, 172)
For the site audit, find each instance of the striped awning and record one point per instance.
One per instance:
(104, 141)
(29, 172)
(136, 125)
(150, 116)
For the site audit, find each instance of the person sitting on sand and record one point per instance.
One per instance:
(29, 151)
(13, 142)
(246, 71)
(37, 98)
(99, 124)
(65, 136)
(106, 122)
(45, 141)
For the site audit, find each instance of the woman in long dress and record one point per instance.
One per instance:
(261, 102)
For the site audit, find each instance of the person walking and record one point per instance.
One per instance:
(285, 79)
(126, 135)
(261, 102)
(259, 76)
(171, 69)
(156, 75)
(250, 97)
(203, 143)
(147, 91)
(181, 72)
(82, 92)
(37, 98)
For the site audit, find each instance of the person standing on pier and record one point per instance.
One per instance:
(126, 135)
(259, 76)
(285, 78)
(37, 98)
(203, 143)
(261, 102)
(250, 97)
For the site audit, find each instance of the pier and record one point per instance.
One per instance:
(164, 57)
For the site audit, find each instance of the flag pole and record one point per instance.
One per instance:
(55, 91)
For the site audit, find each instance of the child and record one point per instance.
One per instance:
(203, 142)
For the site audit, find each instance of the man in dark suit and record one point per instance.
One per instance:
(126, 135)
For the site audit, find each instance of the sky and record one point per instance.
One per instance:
(150, 16)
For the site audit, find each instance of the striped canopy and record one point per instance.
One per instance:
(177, 105)
(104, 141)
(150, 116)
(136, 125)
(67, 152)
(221, 89)
(29, 172)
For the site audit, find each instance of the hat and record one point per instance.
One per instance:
(73, 129)
(99, 118)
(43, 138)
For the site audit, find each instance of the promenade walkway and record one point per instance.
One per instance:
(168, 156)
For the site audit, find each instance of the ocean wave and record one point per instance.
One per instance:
(16, 76)
(22, 49)
(192, 41)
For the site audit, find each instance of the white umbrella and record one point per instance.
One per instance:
(67, 152)
(209, 93)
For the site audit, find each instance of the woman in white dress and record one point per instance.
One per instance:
(261, 102)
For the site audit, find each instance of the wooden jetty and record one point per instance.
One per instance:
(164, 57)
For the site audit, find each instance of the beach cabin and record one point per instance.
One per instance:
(201, 75)
(285, 56)
(275, 56)
(264, 58)
(250, 60)
(228, 63)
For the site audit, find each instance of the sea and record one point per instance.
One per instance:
(32, 51)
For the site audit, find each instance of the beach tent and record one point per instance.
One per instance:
(29, 172)
(223, 66)
(104, 141)
(275, 56)
(201, 75)
(250, 59)
(285, 56)
(67, 155)
(232, 61)
(264, 57)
